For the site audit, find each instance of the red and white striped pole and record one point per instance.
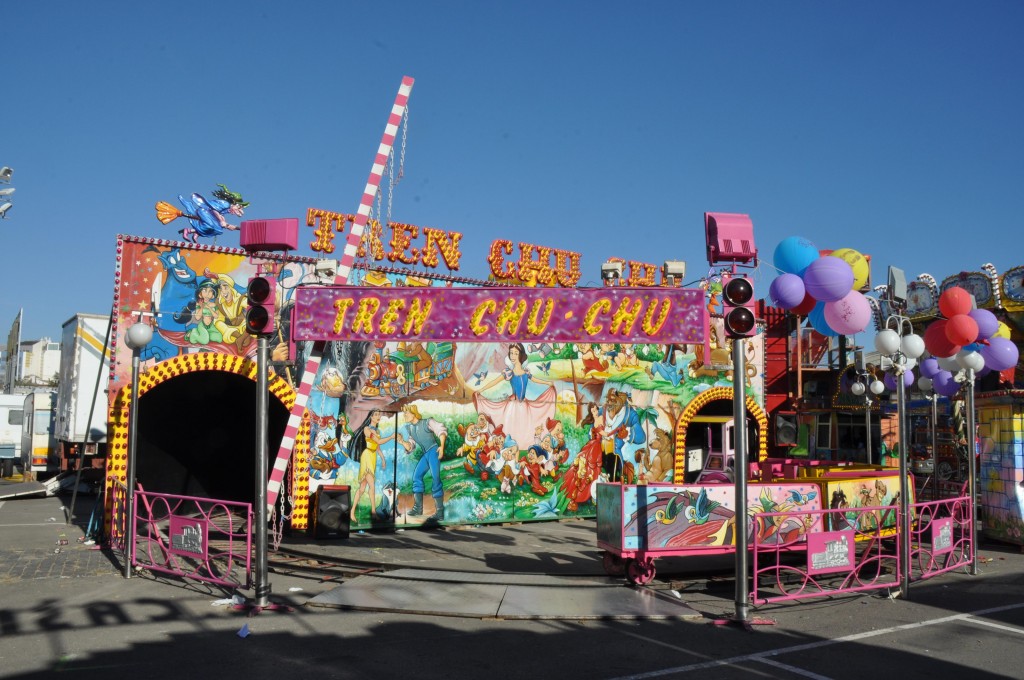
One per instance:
(348, 258)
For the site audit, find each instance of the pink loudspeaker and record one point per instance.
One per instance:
(270, 235)
(730, 238)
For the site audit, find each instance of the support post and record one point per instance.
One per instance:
(905, 537)
(260, 530)
(740, 468)
(133, 436)
(972, 471)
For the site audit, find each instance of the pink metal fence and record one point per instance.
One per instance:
(857, 550)
(942, 539)
(197, 538)
(118, 517)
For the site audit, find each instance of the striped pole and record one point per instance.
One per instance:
(348, 258)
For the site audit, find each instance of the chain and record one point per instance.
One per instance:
(405, 134)
(391, 182)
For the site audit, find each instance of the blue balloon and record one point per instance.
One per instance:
(818, 322)
(794, 254)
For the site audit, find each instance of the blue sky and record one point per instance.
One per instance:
(606, 128)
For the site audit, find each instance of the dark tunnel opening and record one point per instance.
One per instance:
(197, 436)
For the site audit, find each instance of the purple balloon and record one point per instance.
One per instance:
(787, 291)
(890, 380)
(944, 384)
(1000, 354)
(929, 367)
(828, 279)
(987, 322)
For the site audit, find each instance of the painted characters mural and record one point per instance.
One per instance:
(426, 430)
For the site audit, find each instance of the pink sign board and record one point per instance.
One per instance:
(188, 536)
(614, 314)
(942, 535)
(830, 551)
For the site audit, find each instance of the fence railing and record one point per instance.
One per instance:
(858, 549)
(197, 538)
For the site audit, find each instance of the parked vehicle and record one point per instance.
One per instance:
(38, 446)
(81, 404)
(12, 409)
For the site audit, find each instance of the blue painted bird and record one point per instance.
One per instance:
(546, 366)
(798, 498)
(700, 511)
(479, 377)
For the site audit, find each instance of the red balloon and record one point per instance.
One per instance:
(936, 342)
(805, 307)
(954, 301)
(961, 329)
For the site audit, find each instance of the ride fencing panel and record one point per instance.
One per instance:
(942, 537)
(118, 517)
(858, 550)
(197, 538)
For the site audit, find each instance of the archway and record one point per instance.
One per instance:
(196, 427)
(718, 402)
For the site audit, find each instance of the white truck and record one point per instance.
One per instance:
(82, 392)
(12, 413)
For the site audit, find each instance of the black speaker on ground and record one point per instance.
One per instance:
(330, 514)
(785, 429)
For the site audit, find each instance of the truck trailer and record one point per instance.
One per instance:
(81, 405)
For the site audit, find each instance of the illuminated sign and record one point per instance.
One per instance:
(624, 315)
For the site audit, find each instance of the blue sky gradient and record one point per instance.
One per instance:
(608, 128)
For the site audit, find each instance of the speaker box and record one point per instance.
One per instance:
(785, 429)
(330, 514)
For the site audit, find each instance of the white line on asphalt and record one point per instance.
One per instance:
(993, 624)
(761, 656)
(792, 669)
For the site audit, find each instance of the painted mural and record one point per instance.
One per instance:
(680, 517)
(425, 431)
(495, 432)
(1001, 477)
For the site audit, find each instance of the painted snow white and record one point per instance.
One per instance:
(518, 413)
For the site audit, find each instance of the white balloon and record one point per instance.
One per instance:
(972, 360)
(909, 363)
(912, 345)
(924, 384)
(949, 364)
(877, 387)
(887, 341)
(857, 388)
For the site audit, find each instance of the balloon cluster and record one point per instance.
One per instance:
(824, 288)
(965, 339)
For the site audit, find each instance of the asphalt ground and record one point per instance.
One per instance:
(72, 611)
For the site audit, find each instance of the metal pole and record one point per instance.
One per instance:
(739, 416)
(867, 422)
(905, 538)
(935, 446)
(133, 431)
(972, 471)
(260, 527)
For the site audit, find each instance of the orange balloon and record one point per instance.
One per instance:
(961, 329)
(954, 301)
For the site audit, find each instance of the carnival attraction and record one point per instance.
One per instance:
(403, 396)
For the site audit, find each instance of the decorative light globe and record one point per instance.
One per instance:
(970, 360)
(887, 341)
(912, 345)
(877, 387)
(857, 388)
(138, 336)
